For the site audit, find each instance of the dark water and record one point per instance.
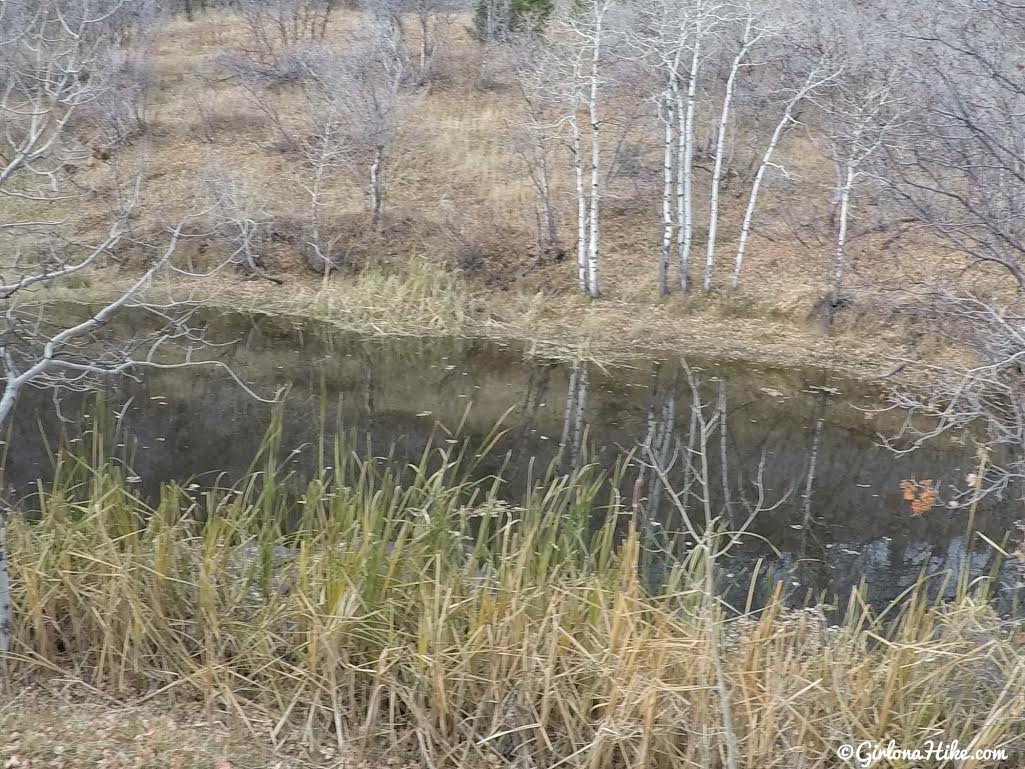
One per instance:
(835, 514)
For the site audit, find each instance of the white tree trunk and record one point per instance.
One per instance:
(840, 263)
(752, 202)
(377, 187)
(581, 208)
(685, 182)
(720, 150)
(12, 388)
(813, 81)
(592, 108)
(667, 197)
(425, 31)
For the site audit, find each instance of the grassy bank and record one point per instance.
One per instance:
(413, 297)
(411, 614)
(459, 251)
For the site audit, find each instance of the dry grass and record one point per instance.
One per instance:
(63, 726)
(411, 612)
(453, 170)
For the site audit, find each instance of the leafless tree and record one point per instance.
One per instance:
(590, 32)
(753, 22)
(325, 151)
(433, 20)
(368, 86)
(962, 169)
(673, 37)
(538, 136)
(54, 63)
(821, 75)
(274, 25)
(959, 170)
(235, 212)
(862, 114)
(983, 399)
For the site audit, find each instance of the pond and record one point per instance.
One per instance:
(834, 510)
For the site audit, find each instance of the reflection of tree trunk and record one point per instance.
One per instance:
(571, 393)
(583, 385)
(649, 432)
(688, 464)
(812, 463)
(573, 422)
(722, 448)
(371, 384)
(533, 397)
(662, 447)
(649, 449)
(809, 487)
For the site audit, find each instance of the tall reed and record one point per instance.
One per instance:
(414, 610)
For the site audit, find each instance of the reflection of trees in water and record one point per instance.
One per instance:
(571, 444)
(534, 397)
(839, 490)
(827, 544)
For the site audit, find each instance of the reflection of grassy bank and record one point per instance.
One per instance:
(411, 612)
(421, 298)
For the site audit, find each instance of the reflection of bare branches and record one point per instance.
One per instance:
(711, 542)
(985, 399)
(706, 426)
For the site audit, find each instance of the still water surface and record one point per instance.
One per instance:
(837, 514)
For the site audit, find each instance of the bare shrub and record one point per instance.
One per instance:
(121, 110)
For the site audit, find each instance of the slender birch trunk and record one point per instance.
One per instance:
(685, 183)
(840, 258)
(425, 29)
(720, 149)
(581, 208)
(752, 202)
(377, 187)
(667, 195)
(10, 395)
(592, 109)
